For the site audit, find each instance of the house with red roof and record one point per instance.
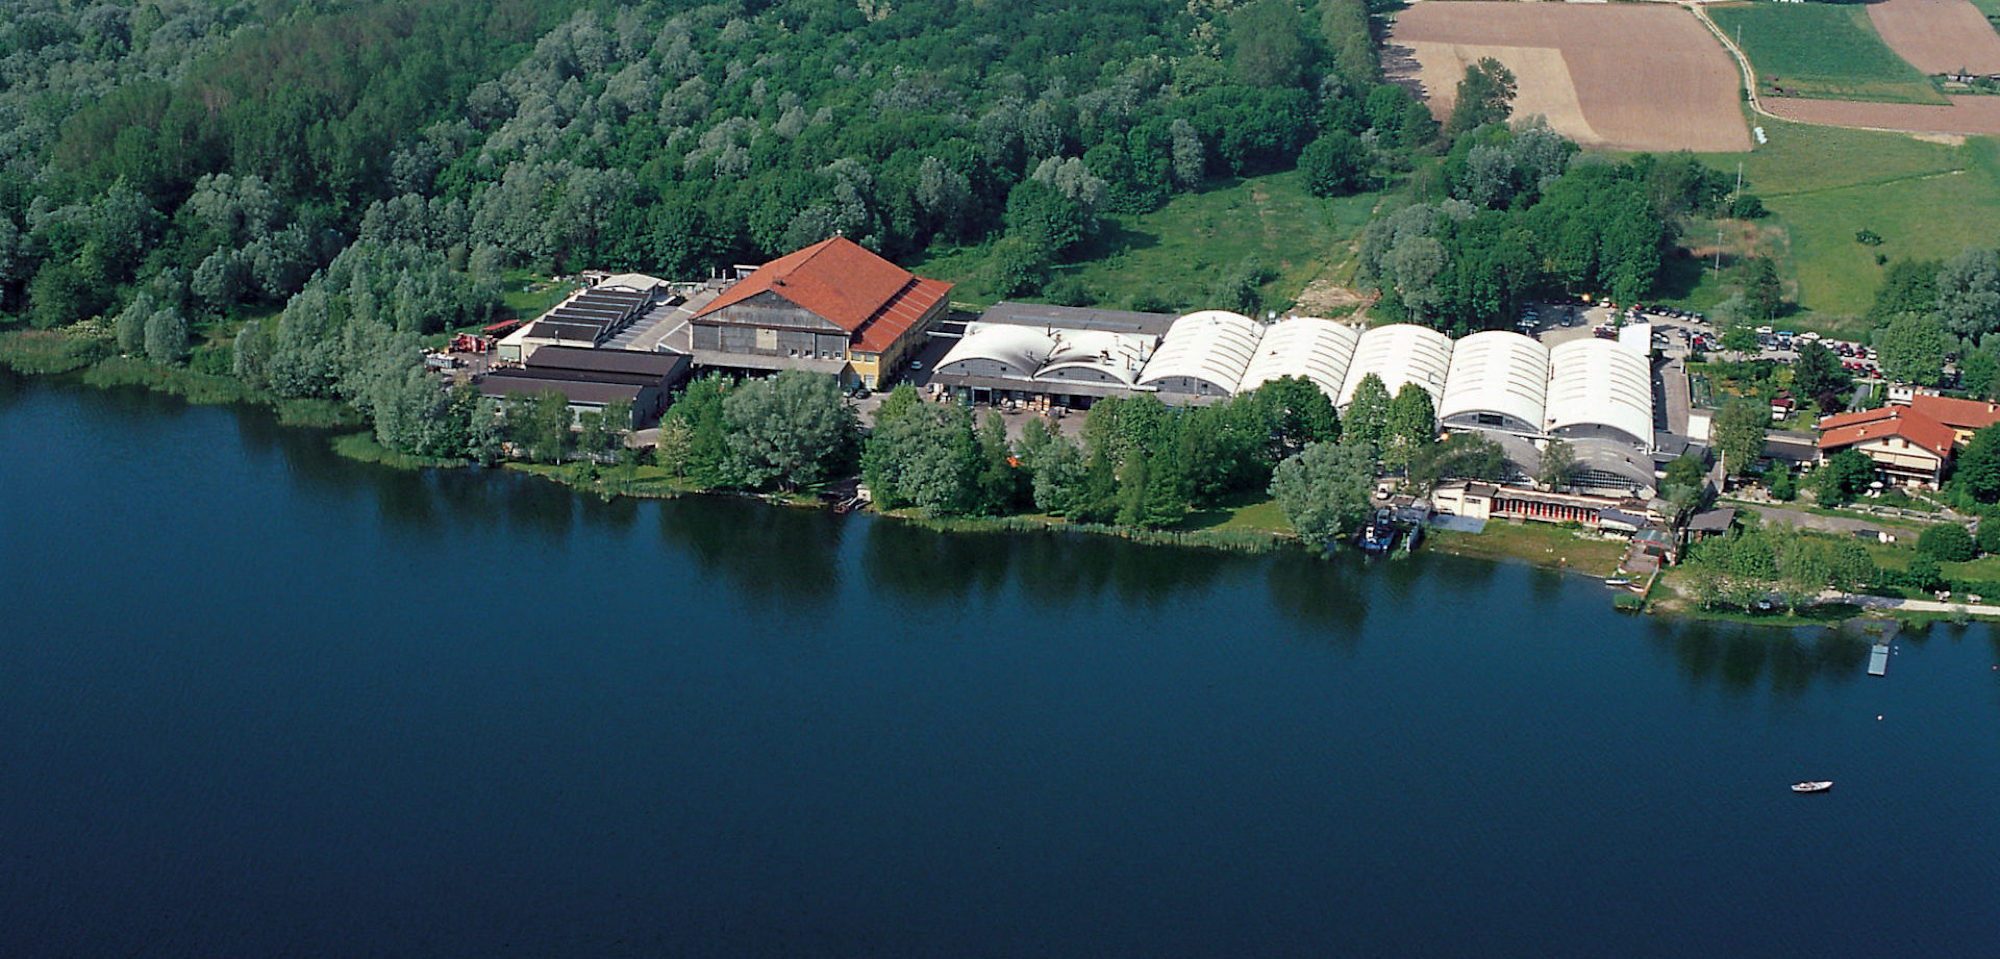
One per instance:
(834, 307)
(1908, 446)
(1965, 417)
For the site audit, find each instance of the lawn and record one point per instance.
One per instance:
(1255, 512)
(525, 295)
(1824, 184)
(1539, 543)
(1825, 51)
(1178, 257)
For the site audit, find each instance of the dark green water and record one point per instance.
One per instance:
(256, 700)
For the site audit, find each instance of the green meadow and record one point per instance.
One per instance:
(1826, 51)
(1823, 185)
(1181, 255)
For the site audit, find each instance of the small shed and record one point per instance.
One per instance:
(1714, 522)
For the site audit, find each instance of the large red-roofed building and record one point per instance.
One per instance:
(833, 307)
(1907, 445)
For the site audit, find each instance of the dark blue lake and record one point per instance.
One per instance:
(256, 700)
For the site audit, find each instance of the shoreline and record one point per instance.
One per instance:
(1519, 544)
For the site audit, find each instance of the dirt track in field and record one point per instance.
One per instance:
(1616, 76)
(1938, 36)
(1978, 115)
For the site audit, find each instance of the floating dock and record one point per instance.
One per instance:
(1878, 660)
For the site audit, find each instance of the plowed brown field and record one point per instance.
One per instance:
(1977, 115)
(1618, 76)
(1938, 36)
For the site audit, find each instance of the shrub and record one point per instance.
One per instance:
(1924, 574)
(1947, 543)
(1989, 536)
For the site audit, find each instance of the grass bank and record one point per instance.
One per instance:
(1823, 51)
(645, 482)
(1177, 257)
(362, 447)
(1540, 544)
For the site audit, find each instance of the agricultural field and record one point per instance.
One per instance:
(1938, 36)
(1973, 115)
(1925, 198)
(1823, 51)
(1609, 76)
(1181, 255)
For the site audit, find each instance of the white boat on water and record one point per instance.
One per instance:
(1813, 787)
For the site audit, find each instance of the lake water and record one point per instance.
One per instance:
(256, 700)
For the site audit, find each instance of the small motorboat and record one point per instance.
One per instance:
(1813, 787)
(1617, 581)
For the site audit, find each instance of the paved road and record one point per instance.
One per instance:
(1914, 605)
(1804, 520)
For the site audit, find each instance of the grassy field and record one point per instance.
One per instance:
(525, 295)
(1539, 543)
(1824, 184)
(1826, 51)
(1176, 257)
(1255, 512)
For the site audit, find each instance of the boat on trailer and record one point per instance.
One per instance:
(1818, 786)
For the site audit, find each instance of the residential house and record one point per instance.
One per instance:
(1907, 446)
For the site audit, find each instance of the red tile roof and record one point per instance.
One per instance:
(1921, 431)
(1838, 420)
(874, 300)
(1957, 413)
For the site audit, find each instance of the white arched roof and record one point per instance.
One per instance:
(1497, 372)
(1598, 383)
(1117, 354)
(1308, 346)
(1022, 348)
(1399, 354)
(1211, 345)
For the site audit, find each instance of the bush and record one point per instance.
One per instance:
(1923, 574)
(1783, 487)
(1947, 543)
(1989, 536)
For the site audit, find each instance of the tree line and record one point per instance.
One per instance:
(1135, 461)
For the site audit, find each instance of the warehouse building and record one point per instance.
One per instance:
(1306, 347)
(832, 307)
(1497, 380)
(1069, 356)
(1203, 357)
(587, 317)
(1399, 354)
(593, 379)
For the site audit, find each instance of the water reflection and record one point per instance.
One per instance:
(1741, 658)
(1050, 568)
(764, 551)
(1327, 595)
(12, 387)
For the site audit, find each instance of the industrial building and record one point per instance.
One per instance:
(1071, 356)
(592, 379)
(833, 307)
(1594, 394)
(587, 317)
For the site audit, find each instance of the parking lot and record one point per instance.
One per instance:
(1678, 333)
